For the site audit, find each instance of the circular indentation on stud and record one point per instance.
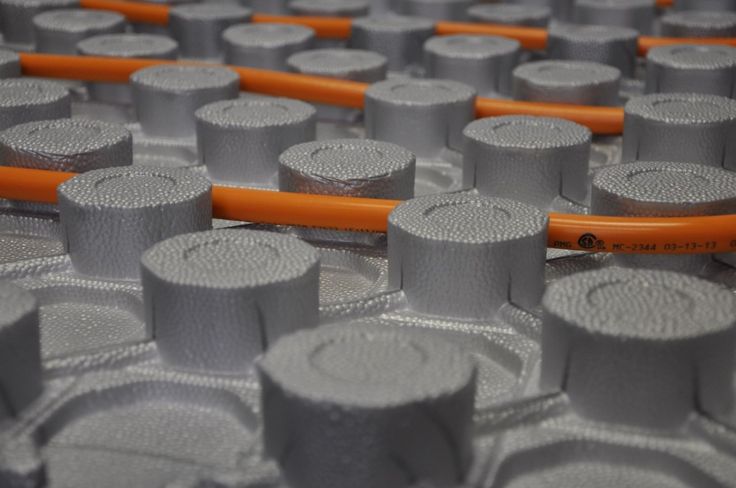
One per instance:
(683, 108)
(695, 23)
(354, 64)
(182, 78)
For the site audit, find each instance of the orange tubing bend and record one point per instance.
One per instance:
(690, 235)
(345, 93)
(147, 13)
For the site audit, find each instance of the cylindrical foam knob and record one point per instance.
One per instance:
(9, 64)
(240, 140)
(398, 38)
(424, 116)
(351, 167)
(578, 82)
(347, 64)
(265, 46)
(692, 69)
(25, 100)
(124, 46)
(636, 14)
(661, 189)
(75, 145)
(561, 9)
(719, 5)
(198, 27)
(699, 24)
(605, 44)
(16, 17)
(681, 127)
(217, 299)
(59, 31)
(530, 159)
(436, 9)
(166, 97)
(20, 350)
(639, 347)
(465, 255)
(483, 62)
(109, 217)
(330, 8)
(334, 398)
(501, 13)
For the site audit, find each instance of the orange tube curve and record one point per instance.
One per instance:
(690, 235)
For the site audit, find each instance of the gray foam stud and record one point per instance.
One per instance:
(337, 401)
(692, 69)
(75, 145)
(483, 62)
(561, 9)
(699, 24)
(198, 27)
(110, 216)
(166, 97)
(639, 347)
(719, 5)
(605, 44)
(577, 82)
(681, 127)
(240, 140)
(398, 38)
(636, 14)
(352, 167)
(59, 31)
(124, 46)
(265, 46)
(25, 100)
(330, 8)
(661, 189)
(530, 159)
(465, 255)
(424, 116)
(16, 17)
(20, 350)
(9, 64)
(436, 9)
(217, 299)
(525, 15)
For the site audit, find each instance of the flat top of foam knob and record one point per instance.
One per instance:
(184, 78)
(246, 113)
(230, 258)
(209, 11)
(509, 12)
(667, 182)
(133, 187)
(526, 132)
(335, 62)
(617, 4)
(345, 159)
(7, 56)
(41, 3)
(330, 7)
(701, 19)
(64, 137)
(127, 45)
(468, 218)
(267, 35)
(682, 108)
(693, 56)
(592, 33)
(15, 302)
(420, 92)
(566, 73)
(655, 305)
(471, 47)
(393, 23)
(77, 20)
(362, 366)
(19, 92)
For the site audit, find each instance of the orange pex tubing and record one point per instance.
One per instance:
(691, 235)
(345, 93)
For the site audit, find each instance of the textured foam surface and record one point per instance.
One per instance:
(683, 109)
(183, 78)
(23, 100)
(699, 24)
(691, 68)
(80, 21)
(605, 44)
(578, 82)
(265, 45)
(399, 38)
(637, 14)
(528, 15)
(67, 145)
(16, 17)
(129, 46)
(9, 64)
(330, 8)
(348, 167)
(351, 64)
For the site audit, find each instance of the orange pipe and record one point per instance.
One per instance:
(148, 13)
(691, 235)
(646, 43)
(345, 93)
(665, 3)
(324, 27)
